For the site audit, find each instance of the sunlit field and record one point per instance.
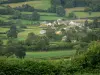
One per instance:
(51, 54)
(69, 10)
(86, 14)
(34, 29)
(39, 4)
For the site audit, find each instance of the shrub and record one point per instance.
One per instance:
(87, 9)
(30, 67)
(90, 58)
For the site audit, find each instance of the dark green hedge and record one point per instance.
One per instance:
(30, 67)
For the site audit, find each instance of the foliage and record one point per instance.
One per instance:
(17, 14)
(42, 43)
(61, 45)
(12, 32)
(14, 1)
(20, 51)
(90, 58)
(7, 10)
(72, 15)
(87, 9)
(50, 33)
(87, 62)
(31, 38)
(60, 11)
(1, 47)
(14, 47)
(25, 7)
(35, 16)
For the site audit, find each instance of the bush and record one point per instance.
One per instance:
(61, 45)
(90, 58)
(88, 62)
(23, 26)
(30, 67)
(87, 9)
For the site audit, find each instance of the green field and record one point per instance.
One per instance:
(79, 12)
(51, 54)
(41, 13)
(38, 4)
(34, 29)
(69, 10)
(50, 18)
(2, 29)
(86, 14)
(22, 35)
(46, 16)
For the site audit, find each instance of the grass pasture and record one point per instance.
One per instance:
(69, 10)
(21, 35)
(44, 18)
(2, 29)
(38, 4)
(86, 14)
(41, 13)
(34, 29)
(79, 12)
(48, 14)
(51, 54)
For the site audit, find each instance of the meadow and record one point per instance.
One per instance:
(86, 14)
(34, 29)
(61, 54)
(79, 12)
(38, 4)
(45, 16)
(22, 35)
(69, 10)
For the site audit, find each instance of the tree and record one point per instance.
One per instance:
(10, 48)
(52, 9)
(12, 32)
(31, 38)
(50, 33)
(1, 47)
(42, 43)
(72, 15)
(55, 2)
(20, 51)
(87, 9)
(95, 23)
(69, 3)
(15, 47)
(35, 16)
(86, 23)
(60, 11)
(17, 14)
(93, 53)
(90, 12)
(10, 10)
(95, 7)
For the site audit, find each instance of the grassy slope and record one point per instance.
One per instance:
(23, 35)
(3, 29)
(46, 16)
(40, 4)
(50, 54)
(79, 14)
(86, 14)
(69, 10)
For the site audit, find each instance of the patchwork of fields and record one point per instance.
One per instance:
(38, 4)
(44, 16)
